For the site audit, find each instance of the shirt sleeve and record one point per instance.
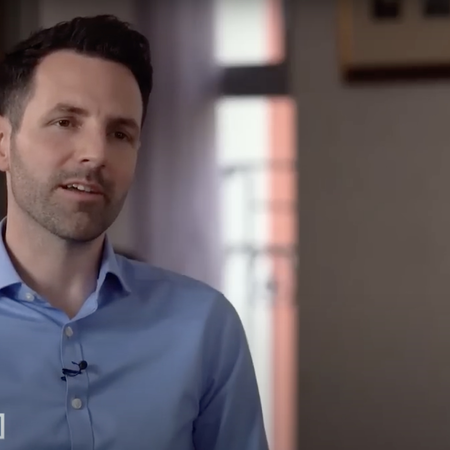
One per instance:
(230, 416)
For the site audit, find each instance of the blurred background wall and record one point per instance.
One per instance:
(373, 214)
(374, 252)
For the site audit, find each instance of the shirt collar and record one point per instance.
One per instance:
(8, 274)
(109, 266)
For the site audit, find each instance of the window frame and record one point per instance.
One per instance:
(265, 80)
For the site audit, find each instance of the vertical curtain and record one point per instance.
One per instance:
(174, 202)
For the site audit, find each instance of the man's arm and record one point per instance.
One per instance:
(230, 415)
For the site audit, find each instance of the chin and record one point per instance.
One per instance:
(81, 238)
(81, 235)
(75, 228)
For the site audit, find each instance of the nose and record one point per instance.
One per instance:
(93, 149)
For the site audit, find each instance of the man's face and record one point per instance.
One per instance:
(80, 130)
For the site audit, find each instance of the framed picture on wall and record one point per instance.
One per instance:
(394, 39)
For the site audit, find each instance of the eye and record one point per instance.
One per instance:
(64, 123)
(121, 136)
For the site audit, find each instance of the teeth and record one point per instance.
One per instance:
(80, 187)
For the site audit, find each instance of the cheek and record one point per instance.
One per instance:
(45, 149)
(122, 169)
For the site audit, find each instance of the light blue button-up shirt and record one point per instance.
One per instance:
(168, 366)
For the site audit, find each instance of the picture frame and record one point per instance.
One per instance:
(393, 39)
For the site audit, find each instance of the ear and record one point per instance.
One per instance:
(5, 143)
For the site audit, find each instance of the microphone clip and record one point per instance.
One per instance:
(82, 365)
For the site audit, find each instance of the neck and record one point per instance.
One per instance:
(63, 273)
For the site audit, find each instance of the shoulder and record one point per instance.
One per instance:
(175, 289)
(143, 275)
(201, 314)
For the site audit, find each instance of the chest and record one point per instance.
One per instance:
(141, 389)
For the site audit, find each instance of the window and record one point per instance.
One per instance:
(251, 46)
(255, 119)
(249, 32)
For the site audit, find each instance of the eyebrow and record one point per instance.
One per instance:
(72, 109)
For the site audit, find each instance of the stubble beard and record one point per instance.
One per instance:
(77, 223)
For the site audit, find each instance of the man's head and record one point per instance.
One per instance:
(72, 102)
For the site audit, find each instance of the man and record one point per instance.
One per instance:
(98, 351)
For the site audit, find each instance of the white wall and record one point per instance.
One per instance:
(374, 252)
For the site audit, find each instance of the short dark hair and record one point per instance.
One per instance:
(102, 36)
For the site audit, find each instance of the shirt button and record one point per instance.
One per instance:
(68, 332)
(29, 296)
(77, 403)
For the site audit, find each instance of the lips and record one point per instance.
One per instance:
(81, 187)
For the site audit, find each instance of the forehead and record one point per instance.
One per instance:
(100, 86)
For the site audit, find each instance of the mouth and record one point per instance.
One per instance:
(84, 190)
